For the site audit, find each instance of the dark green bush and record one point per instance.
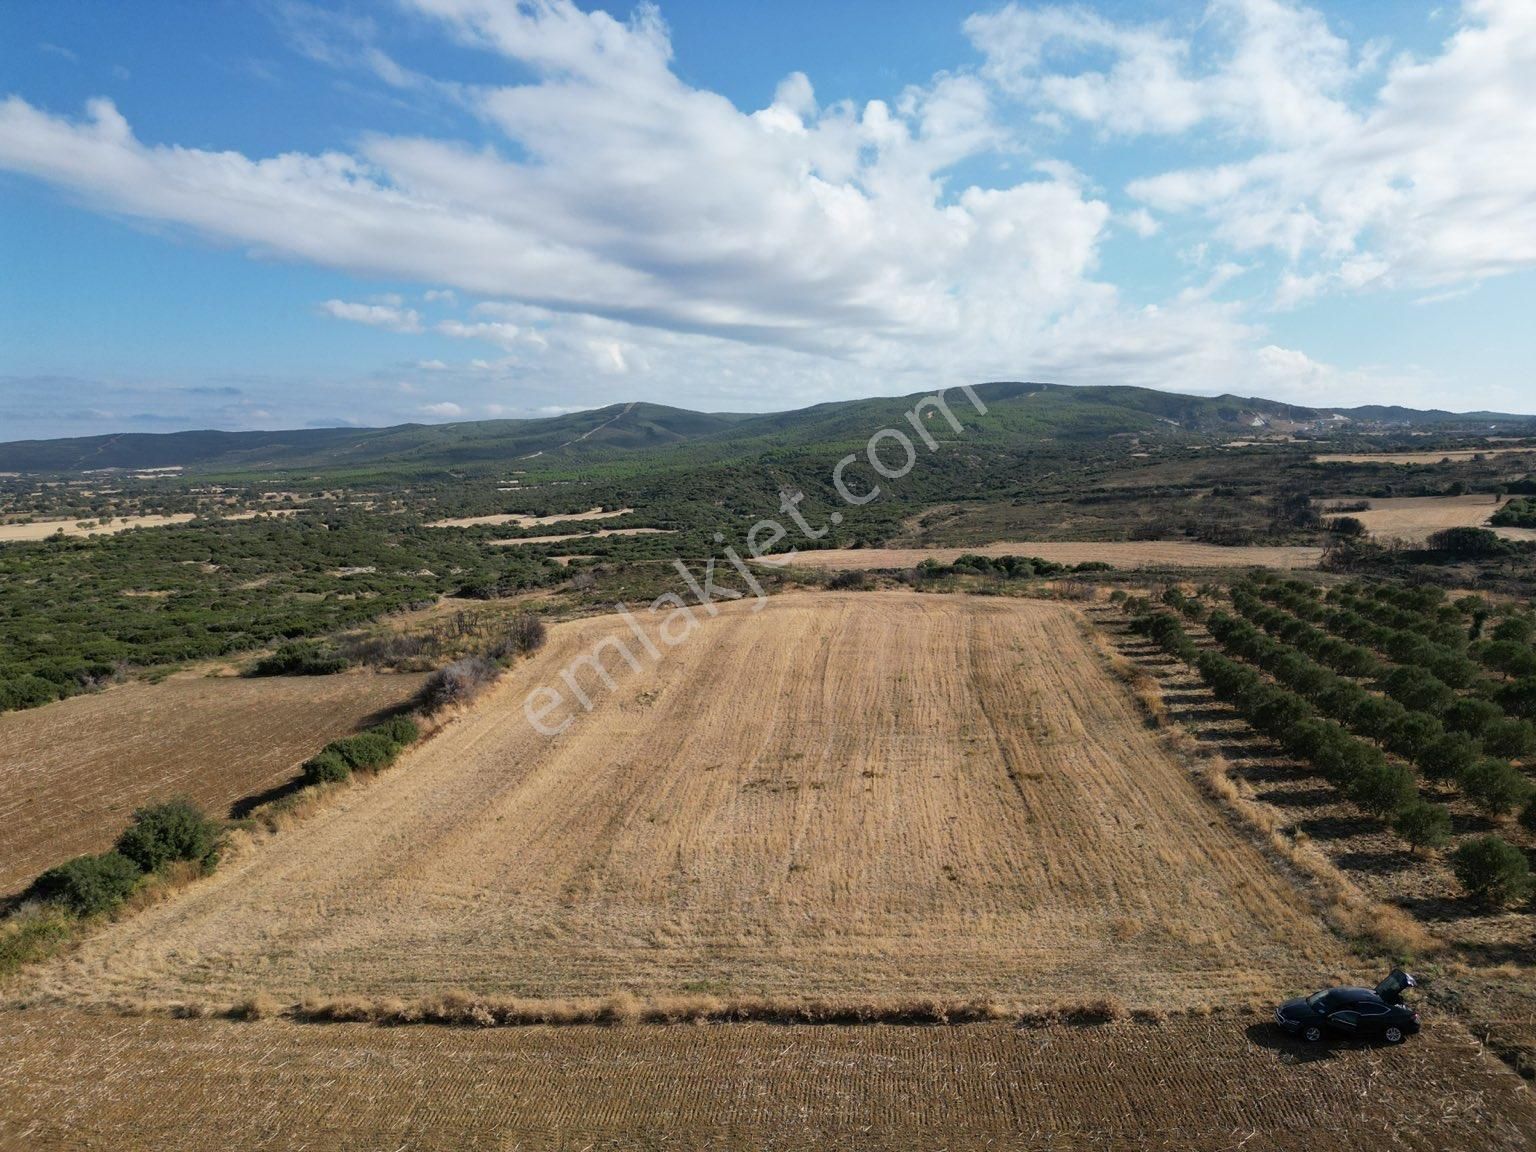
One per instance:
(1382, 788)
(1448, 757)
(175, 830)
(1492, 871)
(1493, 785)
(1519, 698)
(1422, 824)
(326, 767)
(1459, 543)
(301, 660)
(1511, 738)
(368, 750)
(89, 884)
(400, 729)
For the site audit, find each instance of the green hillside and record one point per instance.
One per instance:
(1018, 413)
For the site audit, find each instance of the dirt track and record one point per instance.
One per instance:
(75, 1081)
(72, 773)
(1120, 553)
(863, 798)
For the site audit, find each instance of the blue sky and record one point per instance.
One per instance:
(281, 214)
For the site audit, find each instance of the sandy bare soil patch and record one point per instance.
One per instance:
(71, 773)
(864, 798)
(1413, 457)
(1122, 554)
(521, 521)
(1413, 519)
(42, 529)
(73, 1080)
(581, 536)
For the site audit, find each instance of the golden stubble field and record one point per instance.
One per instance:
(865, 799)
(71, 1080)
(1413, 519)
(1120, 553)
(71, 773)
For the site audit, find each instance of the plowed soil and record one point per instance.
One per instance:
(72, 773)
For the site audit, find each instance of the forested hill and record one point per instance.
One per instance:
(1018, 413)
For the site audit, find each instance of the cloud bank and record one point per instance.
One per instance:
(624, 233)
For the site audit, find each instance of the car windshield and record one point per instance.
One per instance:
(1316, 999)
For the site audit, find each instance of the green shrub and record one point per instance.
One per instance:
(301, 660)
(1511, 738)
(1382, 788)
(1467, 543)
(1422, 824)
(368, 751)
(88, 885)
(1448, 757)
(1471, 715)
(401, 730)
(161, 833)
(1528, 815)
(1493, 871)
(1495, 786)
(1513, 630)
(1519, 698)
(326, 767)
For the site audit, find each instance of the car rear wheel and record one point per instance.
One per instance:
(1394, 1035)
(1312, 1033)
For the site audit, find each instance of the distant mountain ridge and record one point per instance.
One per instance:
(1016, 411)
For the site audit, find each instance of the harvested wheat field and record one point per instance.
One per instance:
(580, 536)
(520, 520)
(1120, 553)
(76, 1081)
(1414, 457)
(42, 529)
(72, 773)
(862, 800)
(1413, 519)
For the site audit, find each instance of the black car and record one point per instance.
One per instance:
(1374, 1012)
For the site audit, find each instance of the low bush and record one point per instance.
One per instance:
(32, 934)
(1422, 824)
(370, 750)
(1494, 785)
(1511, 738)
(853, 580)
(1467, 543)
(301, 660)
(88, 885)
(524, 634)
(326, 767)
(1448, 757)
(1492, 871)
(458, 683)
(161, 833)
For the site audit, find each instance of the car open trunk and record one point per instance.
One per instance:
(1392, 988)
